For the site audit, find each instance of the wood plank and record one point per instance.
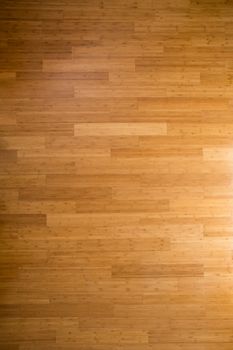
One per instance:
(144, 271)
(119, 129)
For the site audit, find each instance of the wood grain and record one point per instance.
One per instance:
(116, 175)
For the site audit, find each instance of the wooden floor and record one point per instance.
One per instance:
(116, 175)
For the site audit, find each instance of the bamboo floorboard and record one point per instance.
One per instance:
(116, 175)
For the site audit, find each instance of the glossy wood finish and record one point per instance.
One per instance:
(116, 175)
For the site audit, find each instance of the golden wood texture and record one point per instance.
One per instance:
(116, 175)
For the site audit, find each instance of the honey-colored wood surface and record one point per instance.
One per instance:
(116, 175)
